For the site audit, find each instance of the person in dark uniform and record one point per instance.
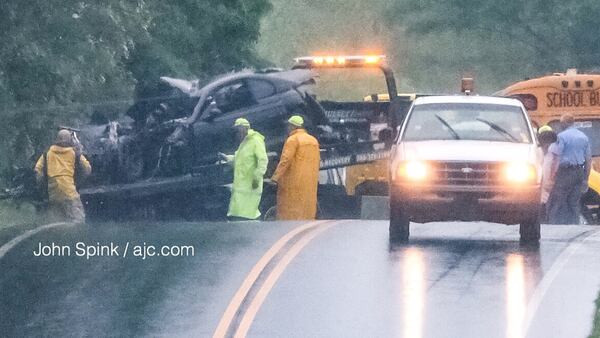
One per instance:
(570, 182)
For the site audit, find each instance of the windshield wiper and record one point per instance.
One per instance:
(450, 129)
(499, 129)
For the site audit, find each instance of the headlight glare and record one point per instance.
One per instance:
(519, 172)
(414, 170)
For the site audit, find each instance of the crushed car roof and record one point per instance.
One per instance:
(291, 78)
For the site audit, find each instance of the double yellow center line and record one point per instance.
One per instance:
(278, 257)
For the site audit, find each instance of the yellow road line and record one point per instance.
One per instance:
(270, 281)
(242, 292)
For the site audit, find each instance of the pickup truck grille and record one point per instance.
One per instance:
(468, 173)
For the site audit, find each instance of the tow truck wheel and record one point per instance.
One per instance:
(590, 207)
(399, 225)
(530, 230)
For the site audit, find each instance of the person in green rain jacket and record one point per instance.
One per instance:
(250, 164)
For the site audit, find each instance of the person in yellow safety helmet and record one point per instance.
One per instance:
(57, 170)
(250, 164)
(297, 174)
(544, 129)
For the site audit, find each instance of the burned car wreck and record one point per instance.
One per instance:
(187, 127)
(161, 159)
(170, 144)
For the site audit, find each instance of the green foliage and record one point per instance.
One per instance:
(303, 27)
(596, 329)
(21, 214)
(432, 44)
(507, 38)
(196, 38)
(62, 60)
(306, 27)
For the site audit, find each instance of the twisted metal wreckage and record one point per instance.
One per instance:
(160, 160)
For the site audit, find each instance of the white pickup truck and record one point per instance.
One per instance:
(466, 158)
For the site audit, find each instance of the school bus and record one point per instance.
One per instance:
(547, 98)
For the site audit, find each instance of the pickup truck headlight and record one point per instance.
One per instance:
(520, 172)
(414, 170)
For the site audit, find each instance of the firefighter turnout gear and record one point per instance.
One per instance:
(59, 166)
(250, 164)
(297, 176)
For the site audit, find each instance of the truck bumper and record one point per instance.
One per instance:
(508, 205)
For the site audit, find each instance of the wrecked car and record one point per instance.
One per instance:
(161, 159)
(190, 125)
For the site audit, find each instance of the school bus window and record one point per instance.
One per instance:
(529, 101)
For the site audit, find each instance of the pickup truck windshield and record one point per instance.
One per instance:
(467, 121)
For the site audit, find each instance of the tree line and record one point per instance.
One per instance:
(61, 61)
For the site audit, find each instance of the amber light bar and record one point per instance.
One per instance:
(340, 61)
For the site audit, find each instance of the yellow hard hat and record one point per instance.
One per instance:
(296, 120)
(544, 129)
(241, 122)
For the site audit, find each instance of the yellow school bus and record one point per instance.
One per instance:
(547, 98)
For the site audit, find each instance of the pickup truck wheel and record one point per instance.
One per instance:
(399, 225)
(530, 230)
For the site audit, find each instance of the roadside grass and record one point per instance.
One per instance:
(12, 213)
(596, 329)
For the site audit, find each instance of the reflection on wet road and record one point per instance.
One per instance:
(413, 292)
(515, 295)
(332, 279)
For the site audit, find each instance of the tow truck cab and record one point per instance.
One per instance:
(465, 158)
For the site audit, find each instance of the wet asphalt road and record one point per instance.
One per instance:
(336, 279)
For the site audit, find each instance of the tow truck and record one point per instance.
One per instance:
(161, 160)
(371, 179)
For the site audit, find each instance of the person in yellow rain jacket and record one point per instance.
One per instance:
(297, 174)
(249, 166)
(57, 169)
